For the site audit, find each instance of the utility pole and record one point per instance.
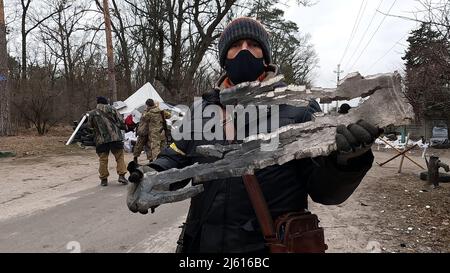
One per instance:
(5, 119)
(338, 72)
(109, 53)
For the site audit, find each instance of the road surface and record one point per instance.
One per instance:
(56, 205)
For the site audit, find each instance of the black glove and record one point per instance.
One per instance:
(135, 174)
(355, 140)
(132, 166)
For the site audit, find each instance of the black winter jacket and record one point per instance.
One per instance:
(222, 219)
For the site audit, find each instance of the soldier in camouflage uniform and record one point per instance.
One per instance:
(107, 124)
(153, 120)
(164, 131)
(143, 141)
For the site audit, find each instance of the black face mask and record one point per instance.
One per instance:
(244, 67)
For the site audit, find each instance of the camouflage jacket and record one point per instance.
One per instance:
(143, 123)
(107, 124)
(153, 121)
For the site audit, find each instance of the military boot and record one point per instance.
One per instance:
(104, 182)
(123, 180)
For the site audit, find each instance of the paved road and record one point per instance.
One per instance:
(99, 221)
(55, 204)
(77, 214)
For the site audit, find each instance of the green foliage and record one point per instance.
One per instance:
(428, 72)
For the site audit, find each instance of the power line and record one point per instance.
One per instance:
(382, 57)
(355, 27)
(364, 35)
(371, 38)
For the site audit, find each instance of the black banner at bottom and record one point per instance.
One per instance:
(163, 263)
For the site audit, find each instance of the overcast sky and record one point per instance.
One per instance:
(331, 22)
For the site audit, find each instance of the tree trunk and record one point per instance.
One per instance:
(5, 122)
(109, 52)
(159, 63)
(24, 47)
(126, 63)
(125, 52)
(150, 63)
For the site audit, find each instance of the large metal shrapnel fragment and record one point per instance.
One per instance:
(384, 105)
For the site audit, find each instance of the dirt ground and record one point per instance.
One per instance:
(28, 143)
(411, 216)
(43, 171)
(389, 212)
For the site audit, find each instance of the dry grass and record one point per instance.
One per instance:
(29, 143)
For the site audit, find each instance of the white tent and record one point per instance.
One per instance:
(135, 104)
(138, 99)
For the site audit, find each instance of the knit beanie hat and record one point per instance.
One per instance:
(150, 103)
(102, 100)
(244, 28)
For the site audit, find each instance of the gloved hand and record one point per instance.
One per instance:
(146, 193)
(135, 174)
(136, 187)
(355, 140)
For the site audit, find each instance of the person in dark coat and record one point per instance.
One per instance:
(108, 124)
(221, 219)
(344, 109)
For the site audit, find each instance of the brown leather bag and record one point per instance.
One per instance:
(296, 232)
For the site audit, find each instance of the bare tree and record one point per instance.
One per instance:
(292, 50)
(59, 36)
(170, 43)
(109, 53)
(203, 18)
(90, 76)
(25, 5)
(38, 106)
(5, 121)
(428, 59)
(435, 13)
(438, 13)
(182, 32)
(148, 38)
(65, 37)
(120, 30)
